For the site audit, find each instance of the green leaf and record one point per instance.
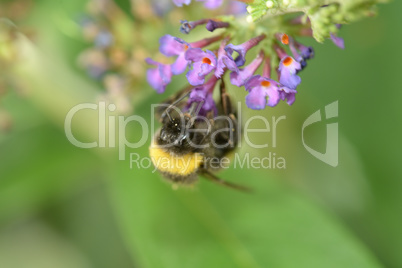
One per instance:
(37, 165)
(210, 226)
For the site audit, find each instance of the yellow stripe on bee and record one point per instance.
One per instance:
(173, 164)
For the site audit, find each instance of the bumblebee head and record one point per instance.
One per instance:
(173, 132)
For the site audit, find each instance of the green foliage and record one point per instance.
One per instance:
(215, 227)
(323, 14)
(309, 215)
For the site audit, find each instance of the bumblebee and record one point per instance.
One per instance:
(188, 145)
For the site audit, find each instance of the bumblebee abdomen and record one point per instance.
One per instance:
(178, 168)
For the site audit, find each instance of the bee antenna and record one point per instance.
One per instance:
(211, 177)
(174, 104)
(168, 115)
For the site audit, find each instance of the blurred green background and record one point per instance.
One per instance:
(62, 206)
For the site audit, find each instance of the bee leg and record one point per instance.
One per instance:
(210, 116)
(211, 177)
(196, 107)
(227, 110)
(225, 100)
(194, 111)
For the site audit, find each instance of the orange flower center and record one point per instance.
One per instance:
(185, 47)
(285, 39)
(206, 60)
(265, 83)
(287, 61)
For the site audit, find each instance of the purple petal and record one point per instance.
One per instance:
(306, 52)
(151, 61)
(338, 41)
(241, 59)
(273, 96)
(203, 64)
(230, 64)
(194, 79)
(237, 8)
(205, 69)
(225, 62)
(253, 82)
(243, 48)
(199, 94)
(165, 72)
(256, 98)
(289, 80)
(159, 77)
(180, 3)
(209, 103)
(260, 87)
(204, 93)
(240, 77)
(154, 80)
(213, 25)
(211, 56)
(289, 64)
(291, 98)
(220, 68)
(194, 54)
(287, 90)
(211, 4)
(180, 65)
(288, 94)
(171, 46)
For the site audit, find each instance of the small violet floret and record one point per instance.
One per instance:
(160, 76)
(262, 92)
(203, 63)
(172, 46)
(288, 68)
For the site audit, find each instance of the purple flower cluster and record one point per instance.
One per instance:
(201, 63)
(186, 53)
(264, 91)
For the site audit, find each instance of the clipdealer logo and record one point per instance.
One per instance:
(116, 129)
(112, 132)
(330, 156)
(270, 161)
